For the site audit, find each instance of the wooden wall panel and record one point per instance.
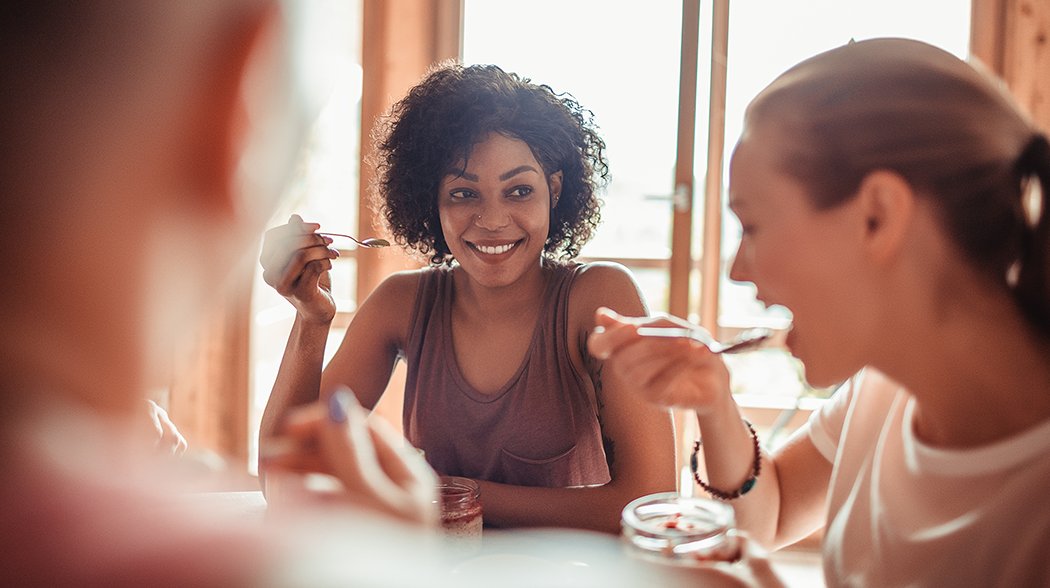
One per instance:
(1012, 37)
(401, 40)
(1026, 65)
(208, 395)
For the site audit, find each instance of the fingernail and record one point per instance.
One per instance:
(327, 239)
(338, 407)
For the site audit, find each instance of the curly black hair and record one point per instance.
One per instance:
(449, 112)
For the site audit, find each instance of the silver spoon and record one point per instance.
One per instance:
(370, 243)
(746, 340)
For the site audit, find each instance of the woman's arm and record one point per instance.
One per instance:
(369, 350)
(363, 363)
(638, 435)
(298, 377)
(787, 499)
(295, 263)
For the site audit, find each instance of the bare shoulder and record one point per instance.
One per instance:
(397, 291)
(607, 284)
(388, 309)
(601, 284)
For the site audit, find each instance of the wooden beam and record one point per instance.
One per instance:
(987, 18)
(1026, 62)
(1012, 38)
(711, 265)
(682, 200)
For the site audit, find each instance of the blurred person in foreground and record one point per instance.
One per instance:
(138, 137)
(890, 197)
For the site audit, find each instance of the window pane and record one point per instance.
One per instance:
(325, 188)
(760, 48)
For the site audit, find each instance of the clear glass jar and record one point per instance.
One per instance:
(460, 507)
(668, 528)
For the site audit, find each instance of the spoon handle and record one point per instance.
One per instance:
(745, 341)
(354, 239)
(697, 335)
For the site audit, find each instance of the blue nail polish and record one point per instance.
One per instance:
(338, 407)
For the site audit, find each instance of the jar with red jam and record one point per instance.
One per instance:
(460, 507)
(675, 530)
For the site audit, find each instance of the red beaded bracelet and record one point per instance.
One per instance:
(756, 468)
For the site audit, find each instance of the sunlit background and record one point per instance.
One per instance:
(621, 60)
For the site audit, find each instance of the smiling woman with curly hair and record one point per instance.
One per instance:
(494, 180)
(441, 120)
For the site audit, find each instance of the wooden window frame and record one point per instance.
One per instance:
(209, 398)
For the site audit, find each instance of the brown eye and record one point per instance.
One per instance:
(461, 194)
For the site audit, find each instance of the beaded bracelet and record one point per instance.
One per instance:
(756, 468)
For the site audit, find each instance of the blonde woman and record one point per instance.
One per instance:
(884, 190)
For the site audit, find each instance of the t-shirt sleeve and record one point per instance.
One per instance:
(825, 425)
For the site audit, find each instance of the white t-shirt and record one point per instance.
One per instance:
(901, 513)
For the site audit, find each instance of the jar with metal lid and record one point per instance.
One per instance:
(460, 507)
(671, 529)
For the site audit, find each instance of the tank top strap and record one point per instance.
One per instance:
(433, 295)
(556, 305)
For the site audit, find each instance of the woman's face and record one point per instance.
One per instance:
(495, 210)
(805, 259)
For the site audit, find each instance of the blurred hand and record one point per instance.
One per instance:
(296, 262)
(169, 440)
(377, 469)
(667, 371)
(752, 570)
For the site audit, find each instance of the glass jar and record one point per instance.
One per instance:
(460, 507)
(668, 528)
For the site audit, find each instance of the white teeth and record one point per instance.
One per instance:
(496, 250)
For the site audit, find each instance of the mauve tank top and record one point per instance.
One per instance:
(540, 429)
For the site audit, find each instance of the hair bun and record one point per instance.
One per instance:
(1035, 156)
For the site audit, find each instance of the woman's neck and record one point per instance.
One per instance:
(979, 373)
(501, 301)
